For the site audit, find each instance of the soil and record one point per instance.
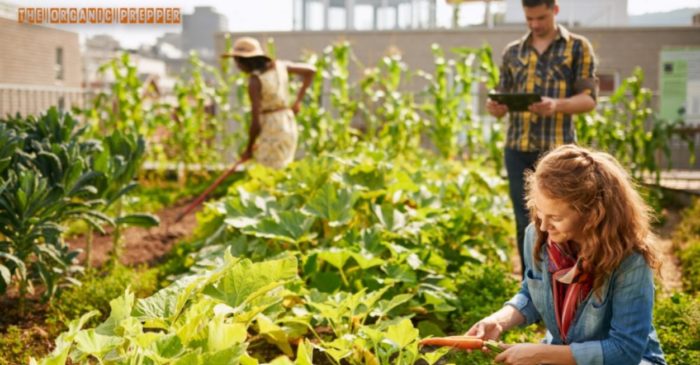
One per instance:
(671, 276)
(141, 245)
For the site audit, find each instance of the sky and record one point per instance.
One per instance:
(260, 15)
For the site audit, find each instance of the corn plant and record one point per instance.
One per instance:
(126, 106)
(195, 126)
(391, 117)
(626, 127)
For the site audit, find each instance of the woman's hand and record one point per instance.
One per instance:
(486, 329)
(296, 107)
(521, 354)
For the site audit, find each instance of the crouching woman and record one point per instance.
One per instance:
(589, 262)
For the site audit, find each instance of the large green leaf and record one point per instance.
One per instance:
(274, 334)
(390, 218)
(245, 280)
(121, 309)
(222, 334)
(164, 304)
(229, 356)
(140, 220)
(290, 226)
(92, 343)
(402, 334)
(332, 204)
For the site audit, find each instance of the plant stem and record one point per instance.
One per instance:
(88, 247)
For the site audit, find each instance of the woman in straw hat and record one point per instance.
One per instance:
(272, 137)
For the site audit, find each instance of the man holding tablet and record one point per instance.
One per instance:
(557, 65)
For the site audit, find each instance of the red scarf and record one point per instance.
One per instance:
(570, 284)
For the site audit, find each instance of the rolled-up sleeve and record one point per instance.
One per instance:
(523, 303)
(585, 70)
(633, 298)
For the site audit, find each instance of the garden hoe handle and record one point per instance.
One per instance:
(211, 187)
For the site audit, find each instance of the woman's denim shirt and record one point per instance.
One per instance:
(615, 330)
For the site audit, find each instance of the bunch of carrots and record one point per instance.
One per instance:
(462, 343)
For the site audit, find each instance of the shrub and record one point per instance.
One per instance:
(677, 321)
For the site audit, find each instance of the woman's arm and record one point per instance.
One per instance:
(630, 324)
(254, 94)
(491, 327)
(533, 354)
(307, 73)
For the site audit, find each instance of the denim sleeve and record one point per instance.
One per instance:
(632, 303)
(522, 300)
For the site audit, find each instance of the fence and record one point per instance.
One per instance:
(29, 99)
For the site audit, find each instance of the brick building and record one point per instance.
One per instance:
(39, 67)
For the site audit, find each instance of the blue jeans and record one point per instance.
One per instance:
(517, 162)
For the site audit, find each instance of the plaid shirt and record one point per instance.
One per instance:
(565, 69)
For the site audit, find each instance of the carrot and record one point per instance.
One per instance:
(460, 342)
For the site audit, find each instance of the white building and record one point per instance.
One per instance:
(589, 13)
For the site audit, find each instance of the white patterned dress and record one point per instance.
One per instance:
(277, 142)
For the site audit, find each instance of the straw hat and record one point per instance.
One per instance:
(246, 47)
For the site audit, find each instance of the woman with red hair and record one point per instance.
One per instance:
(589, 261)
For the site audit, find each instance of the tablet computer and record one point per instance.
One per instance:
(516, 102)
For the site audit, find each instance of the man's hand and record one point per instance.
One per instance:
(521, 354)
(546, 108)
(496, 109)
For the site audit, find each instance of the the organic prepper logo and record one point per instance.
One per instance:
(164, 15)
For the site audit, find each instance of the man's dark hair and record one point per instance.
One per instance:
(533, 3)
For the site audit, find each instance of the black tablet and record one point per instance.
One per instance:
(516, 102)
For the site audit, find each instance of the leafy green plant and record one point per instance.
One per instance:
(18, 344)
(687, 238)
(126, 107)
(97, 288)
(118, 162)
(677, 321)
(47, 182)
(52, 175)
(627, 128)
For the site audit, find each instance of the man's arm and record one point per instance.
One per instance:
(585, 86)
(577, 104)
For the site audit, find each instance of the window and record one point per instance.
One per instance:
(61, 104)
(608, 82)
(59, 63)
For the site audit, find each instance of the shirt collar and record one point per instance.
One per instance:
(562, 33)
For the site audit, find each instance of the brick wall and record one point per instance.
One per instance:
(28, 82)
(618, 49)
